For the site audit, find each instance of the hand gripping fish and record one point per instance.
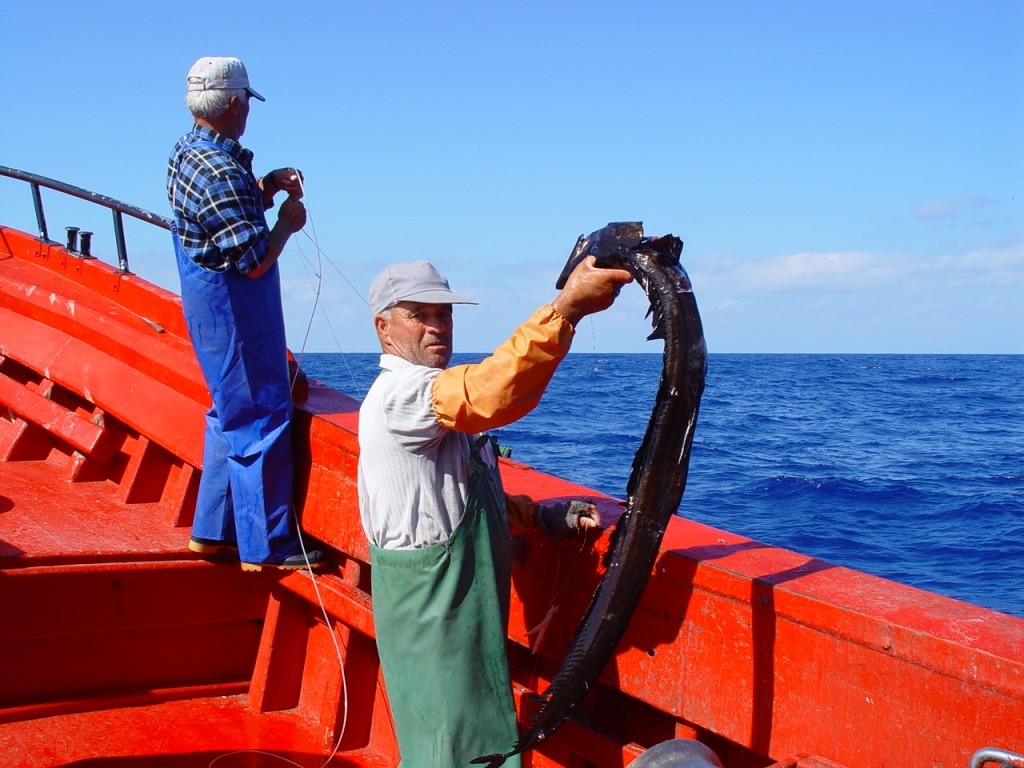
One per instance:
(659, 471)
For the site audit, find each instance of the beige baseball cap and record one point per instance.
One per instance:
(417, 281)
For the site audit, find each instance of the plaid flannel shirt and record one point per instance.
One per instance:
(217, 204)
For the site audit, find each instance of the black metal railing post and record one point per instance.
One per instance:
(37, 201)
(122, 251)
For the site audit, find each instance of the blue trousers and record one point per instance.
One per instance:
(236, 325)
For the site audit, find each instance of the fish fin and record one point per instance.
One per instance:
(668, 247)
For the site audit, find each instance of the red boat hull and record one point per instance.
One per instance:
(122, 648)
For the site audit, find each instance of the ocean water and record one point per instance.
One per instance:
(909, 467)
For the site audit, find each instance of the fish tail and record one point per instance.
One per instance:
(493, 761)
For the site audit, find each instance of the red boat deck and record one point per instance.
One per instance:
(77, 545)
(57, 521)
(220, 731)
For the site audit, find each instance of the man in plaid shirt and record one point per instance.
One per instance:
(231, 297)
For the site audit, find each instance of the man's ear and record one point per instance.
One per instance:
(383, 329)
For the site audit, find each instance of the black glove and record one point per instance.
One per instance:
(562, 518)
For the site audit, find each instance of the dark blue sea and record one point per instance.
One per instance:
(909, 467)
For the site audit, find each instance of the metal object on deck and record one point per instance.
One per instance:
(1000, 757)
(678, 753)
(85, 245)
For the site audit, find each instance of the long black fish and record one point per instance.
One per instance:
(659, 471)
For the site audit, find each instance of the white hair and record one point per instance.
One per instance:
(209, 105)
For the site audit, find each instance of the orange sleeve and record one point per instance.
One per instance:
(507, 385)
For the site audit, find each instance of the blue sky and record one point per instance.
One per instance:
(847, 176)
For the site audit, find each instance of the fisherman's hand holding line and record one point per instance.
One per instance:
(287, 180)
(565, 517)
(292, 215)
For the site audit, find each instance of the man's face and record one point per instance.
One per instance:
(419, 333)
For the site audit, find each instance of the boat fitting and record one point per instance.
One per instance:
(999, 756)
(678, 753)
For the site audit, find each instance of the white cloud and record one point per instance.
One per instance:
(805, 301)
(995, 265)
(951, 208)
(804, 272)
(857, 272)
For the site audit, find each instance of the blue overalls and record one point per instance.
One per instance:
(236, 324)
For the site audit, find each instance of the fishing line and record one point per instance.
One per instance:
(540, 628)
(319, 272)
(334, 640)
(355, 388)
(282, 758)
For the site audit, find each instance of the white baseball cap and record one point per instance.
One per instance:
(220, 73)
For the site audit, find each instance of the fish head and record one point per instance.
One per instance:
(616, 238)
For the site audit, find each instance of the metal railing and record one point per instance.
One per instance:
(1000, 757)
(118, 208)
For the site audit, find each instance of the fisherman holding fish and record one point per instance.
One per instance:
(231, 297)
(434, 511)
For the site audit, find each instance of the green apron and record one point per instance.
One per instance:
(441, 619)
